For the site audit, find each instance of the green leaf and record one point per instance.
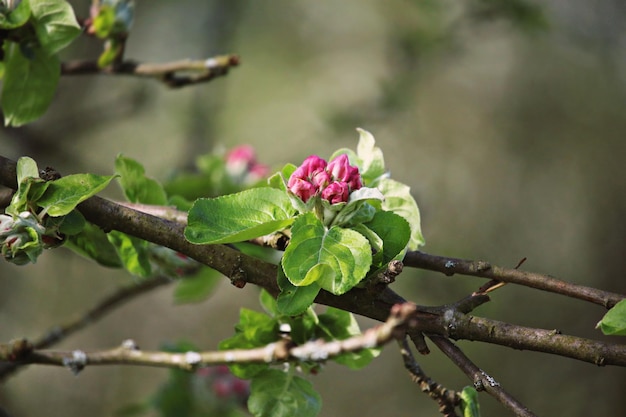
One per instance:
(274, 393)
(71, 224)
(336, 258)
(394, 231)
(614, 321)
(104, 21)
(64, 194)
(93, 243)
(373, 163)
(136, 186)
(469, 402)
(29, 186)
(26, 168)
(268, 302)
(29, 84)
(339, 325)
(16, 17)
(132, 251)
(239, 217)
(399, 200)
(294, 300)
(253, 330)
(198, 287)
(55, 24)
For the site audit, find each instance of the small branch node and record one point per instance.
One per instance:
(76, 362)
(129, 344)
(193, 358)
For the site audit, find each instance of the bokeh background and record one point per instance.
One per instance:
(510, 132)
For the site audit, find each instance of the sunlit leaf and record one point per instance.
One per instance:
(64, 194)
(274, 393)
(239, 217)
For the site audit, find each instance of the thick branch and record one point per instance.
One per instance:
(451, 266)
(174, 74)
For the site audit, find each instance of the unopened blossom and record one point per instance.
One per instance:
(333, 181)
(242, 165)
(336, 192)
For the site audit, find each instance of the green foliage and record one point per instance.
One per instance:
(238, 217)
(332, 246)
(137, 187)
(132, 252)
(614, 321)
(336, 258)
(469, 402)
(63, 195)
(29, 83)
(39, 30)
(274, 393)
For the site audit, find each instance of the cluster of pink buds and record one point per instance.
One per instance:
(224, 385)
(333, 181)
(242, 166)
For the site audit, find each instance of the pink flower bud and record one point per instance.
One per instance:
(336, 192)
(302, 188)
(339, 168)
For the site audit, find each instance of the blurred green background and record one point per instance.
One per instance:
(511, 137)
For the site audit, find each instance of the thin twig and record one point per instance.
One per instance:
(95, 313)
(447, 399)
(174, 74)
(450, 266)
(284, 350)
(482, 381)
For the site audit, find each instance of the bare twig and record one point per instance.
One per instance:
(482, 381)
(104, 307)
(174, 74)
(447, 399)
(451, 266)
(401, 315)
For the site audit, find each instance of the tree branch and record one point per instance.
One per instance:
(401, 315)
(451, 266)
(482, 381)
(174, 74)
(105, 306)
(445, 320)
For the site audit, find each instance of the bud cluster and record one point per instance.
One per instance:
(21, 238)
(242, 166)
(224, 385)
(333, 181)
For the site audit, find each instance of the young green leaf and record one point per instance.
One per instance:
(29, 84)
(29, 186)
(373, 163)
(274, 393)
(239, 217)
(339, 325)
(394, 231)
(336, 258)
(55, 24)
(136, 186)
(133, 253)
(16, 17)
(64, 194)
(294, 300)
(469, 402)
(92, 243)
(614, 321)
(253, 330)
(399, 200)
